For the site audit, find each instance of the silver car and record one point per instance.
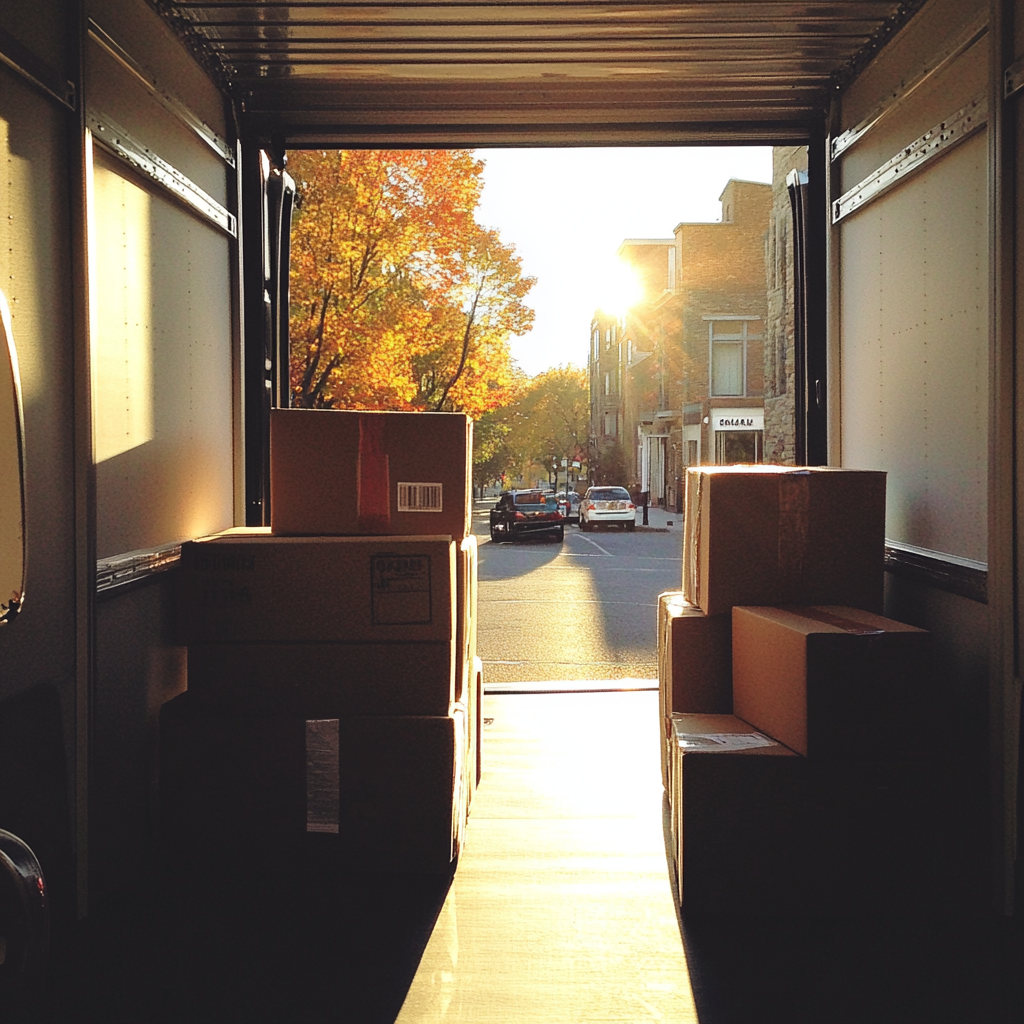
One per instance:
(607, 505)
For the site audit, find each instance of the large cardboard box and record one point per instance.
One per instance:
(388, 473)
(740, 819)
(342, 794)
(325, 680)
(694, 663)
(835, 682)
(761, 830)
(768, 535)
(247, 586)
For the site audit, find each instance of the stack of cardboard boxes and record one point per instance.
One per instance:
(803, 746)
(333, 706)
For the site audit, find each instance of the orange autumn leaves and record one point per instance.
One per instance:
(399, 298)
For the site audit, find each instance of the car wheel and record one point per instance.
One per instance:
(560, 536)
(631, 526)
(495, 535)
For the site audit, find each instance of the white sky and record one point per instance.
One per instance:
(567, 210)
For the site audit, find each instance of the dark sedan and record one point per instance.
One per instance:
(519, 513)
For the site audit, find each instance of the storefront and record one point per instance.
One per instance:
(737, 435)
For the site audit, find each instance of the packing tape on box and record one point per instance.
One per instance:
(794, 522)
(374, 484)
(839, 621)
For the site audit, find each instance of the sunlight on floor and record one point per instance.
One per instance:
(561, 910)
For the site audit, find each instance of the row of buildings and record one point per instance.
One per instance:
(700, 370)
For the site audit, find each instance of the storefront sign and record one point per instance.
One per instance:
(738, 419)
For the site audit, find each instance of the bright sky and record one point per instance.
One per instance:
(567, 210)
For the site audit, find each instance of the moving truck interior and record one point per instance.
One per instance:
(144, 262)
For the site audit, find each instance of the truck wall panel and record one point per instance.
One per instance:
(915, 352)
(162, 366)
(37, 651)
(137, 27)
(114, 92)
(913, 297)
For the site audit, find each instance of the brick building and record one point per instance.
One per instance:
(779, 368)
(618, 345)
(689, 361)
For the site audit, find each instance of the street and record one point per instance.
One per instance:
(561, 614)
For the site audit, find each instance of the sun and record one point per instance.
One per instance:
(619, 288)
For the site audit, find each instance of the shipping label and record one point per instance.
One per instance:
(723, 741)
(400, 585)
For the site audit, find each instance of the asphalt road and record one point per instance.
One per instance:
(563, 614)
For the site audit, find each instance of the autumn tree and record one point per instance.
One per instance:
(399, 298)
(547, 418)
(556, 415)
(498, 437)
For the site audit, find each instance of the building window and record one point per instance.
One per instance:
(607, 384)
(610, 423)
(671, 268)
(597, 342)
(629, 351)
(727, 353)
(614, 332)
(738, 446)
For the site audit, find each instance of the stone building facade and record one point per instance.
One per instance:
(779, 348)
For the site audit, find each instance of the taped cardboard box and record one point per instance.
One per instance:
(836, 682)
(694, 662)
(389, 473)
(768, 535)
(758, 829)
(342, 794)
(247, 586)
(740, 820)
(325, 680)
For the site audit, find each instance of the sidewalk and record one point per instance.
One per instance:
(660, 520)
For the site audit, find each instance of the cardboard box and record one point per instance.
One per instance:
(246, 586)
(835, 682)
(740, 819)
(325, 680)
(283, 791)
(694, 662)
(386, 473)
(761, 830)
(769, 535)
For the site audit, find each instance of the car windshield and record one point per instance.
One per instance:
(529, 498)
(609, 494)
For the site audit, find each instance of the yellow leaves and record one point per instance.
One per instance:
(399, 299)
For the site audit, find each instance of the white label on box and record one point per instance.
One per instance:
(420, 497)
(322, 781)
(723, 741)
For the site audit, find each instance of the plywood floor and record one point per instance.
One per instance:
(561, 909)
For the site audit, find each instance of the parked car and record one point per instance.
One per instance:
(569, 506)
(602, 505)
(518, 513)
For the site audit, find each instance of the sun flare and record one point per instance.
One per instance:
(619, 288)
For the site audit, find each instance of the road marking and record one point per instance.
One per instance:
(596, 545)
